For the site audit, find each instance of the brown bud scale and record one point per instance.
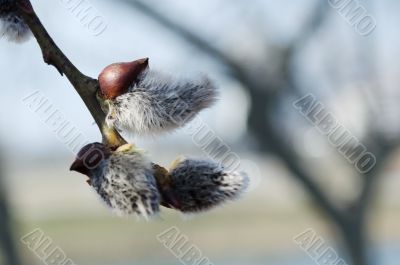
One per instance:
(116, 78)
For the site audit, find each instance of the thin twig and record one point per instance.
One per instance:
(85, 86)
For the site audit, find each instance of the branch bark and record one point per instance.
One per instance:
(86, 87)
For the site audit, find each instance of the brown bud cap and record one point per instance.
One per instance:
(89, 157)
(116, 78)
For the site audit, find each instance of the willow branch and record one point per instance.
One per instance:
(85, 86)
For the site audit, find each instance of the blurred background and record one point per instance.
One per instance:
(263, 55)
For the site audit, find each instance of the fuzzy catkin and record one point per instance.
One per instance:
(199, 185)
(158, 103)
(125, 181)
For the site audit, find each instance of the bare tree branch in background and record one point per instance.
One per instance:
(350, 220)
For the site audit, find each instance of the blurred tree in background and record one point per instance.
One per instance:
(273, 82)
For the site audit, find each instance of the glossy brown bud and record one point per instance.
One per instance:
(116, 78)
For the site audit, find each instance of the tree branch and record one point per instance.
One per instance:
(310, 27)
(85, 86)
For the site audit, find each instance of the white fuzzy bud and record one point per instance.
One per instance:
(124, 178)
(157, 103)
